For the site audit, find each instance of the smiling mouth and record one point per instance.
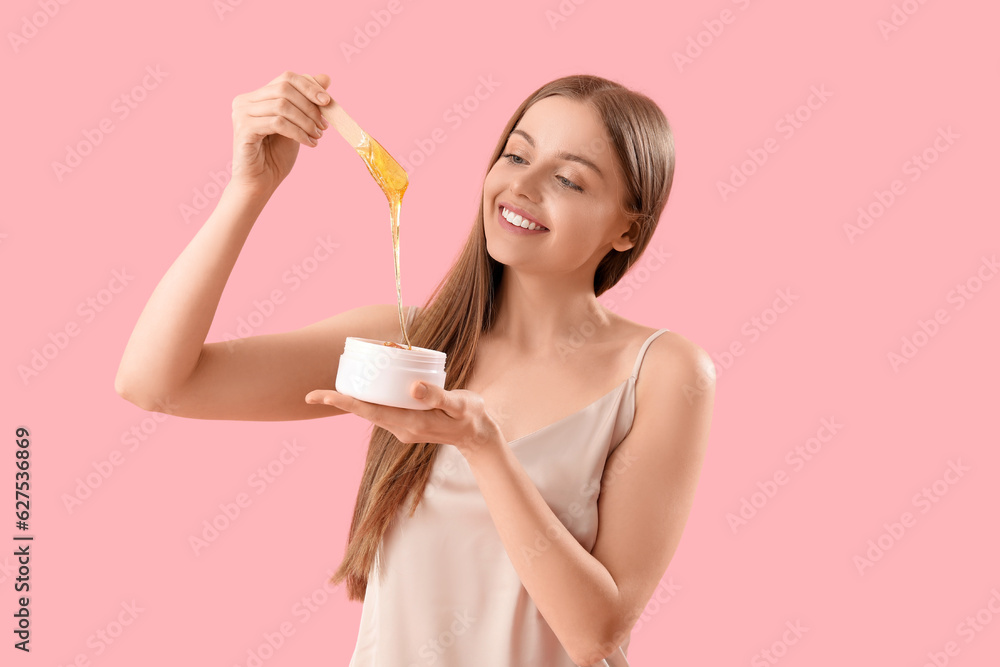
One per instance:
(518, 221)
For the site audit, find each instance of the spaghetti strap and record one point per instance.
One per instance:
(642, 352)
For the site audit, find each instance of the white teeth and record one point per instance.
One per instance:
(518, 221)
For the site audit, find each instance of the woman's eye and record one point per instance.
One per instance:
(513, 158)
(570, 184)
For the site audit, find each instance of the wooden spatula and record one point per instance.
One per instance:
(338, 118)
(392, 173)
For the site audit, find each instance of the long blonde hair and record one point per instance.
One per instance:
(462, 306)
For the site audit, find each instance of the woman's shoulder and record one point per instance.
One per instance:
(671, 350)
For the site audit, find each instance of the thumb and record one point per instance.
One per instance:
(322, 79)
(428, 392)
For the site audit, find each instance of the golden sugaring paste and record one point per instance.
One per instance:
(392, 179)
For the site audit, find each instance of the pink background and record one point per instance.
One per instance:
(827, 357)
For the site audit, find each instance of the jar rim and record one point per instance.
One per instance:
(370, 344)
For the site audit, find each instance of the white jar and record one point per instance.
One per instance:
(376, 373)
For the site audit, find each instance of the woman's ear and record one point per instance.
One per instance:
(628, 238)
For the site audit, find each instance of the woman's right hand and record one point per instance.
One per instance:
(268, 126)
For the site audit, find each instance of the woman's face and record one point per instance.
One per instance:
(557, 169)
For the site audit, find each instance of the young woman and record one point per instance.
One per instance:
(528, 516)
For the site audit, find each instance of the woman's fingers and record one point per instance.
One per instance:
(257, 127)
(319, 92)
(282, 108)
(301, 90)
(322, 95)
(287, 108)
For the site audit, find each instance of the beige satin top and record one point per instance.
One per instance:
(446, 593)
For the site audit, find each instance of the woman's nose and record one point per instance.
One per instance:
(525, 183)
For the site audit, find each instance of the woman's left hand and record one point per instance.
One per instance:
(457, 417)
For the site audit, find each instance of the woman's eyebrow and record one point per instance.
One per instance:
(563, 155)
